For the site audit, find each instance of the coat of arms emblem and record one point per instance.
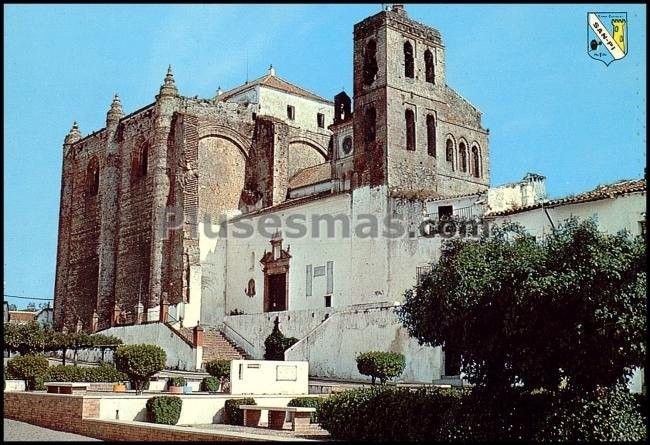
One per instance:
(607, 36)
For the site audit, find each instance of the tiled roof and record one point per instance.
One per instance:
(18, 316)
(273, 81)
(311, 175)
(601, 192)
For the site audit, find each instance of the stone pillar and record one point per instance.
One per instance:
(108, 192)
(116, 315)
(63, 244)
(197, 338)
(167, 101)
(94, 323)
(164, 310)
(139, 313)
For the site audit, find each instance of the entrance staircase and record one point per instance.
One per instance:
(217, 345)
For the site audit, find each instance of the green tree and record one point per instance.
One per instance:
(381, 365)
(28, 338)
(29, 368)
(276, 343)
(568, 309)
(139, 362)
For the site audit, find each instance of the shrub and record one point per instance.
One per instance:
(69, 373)
(164, 409)
(139, 362)
(219, 368)
(381, 365)
(308, 402)
(177, 381)
(276, 343)
(210, 384)
(30, 368)
(234, 415)
(390, 413)
(605, 414)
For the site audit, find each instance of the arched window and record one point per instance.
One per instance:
(370, 124)
(409, 116)
(476, 162)
(370, 63)
(250, 289)
(449, 154)
(144, 160)
(429, 67)
(408, 60)
(92, 177)
(431, 135)
(462, 156)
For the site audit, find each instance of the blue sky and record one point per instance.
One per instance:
(550, 108)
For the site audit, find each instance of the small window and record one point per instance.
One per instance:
(431, 135)
(370, 68)
(250, 288)
(92, 178)
(476, 162)
(429, 67)
(370, 124)
(449, 154)
(320, 120)
(347, 145)
(144, 161)
(445, 212)
(462, 155)
(642, 228)
(328, 301)
(409, 116)
(291, 112)
(408, 60)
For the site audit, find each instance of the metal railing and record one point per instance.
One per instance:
(247, 346)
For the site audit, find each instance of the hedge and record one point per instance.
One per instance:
(381, 365)
(308, 402)
(219, 368)
(69, 373)
(210, 384)
(177, 381)
(384, 413)
(164, 409)
(462, 414)
(30, 368)
(234, 415)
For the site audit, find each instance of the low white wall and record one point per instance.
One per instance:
(14, 385)
(331, 349)
(179, 353)
(269, 377)
(197, 409)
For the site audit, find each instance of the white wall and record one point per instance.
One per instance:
(196, 409)
(229, 263)
(274, 103)
(331, 349)
(622, 212)
(179, 353)
(269, 377)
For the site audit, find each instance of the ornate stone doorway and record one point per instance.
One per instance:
(276, 276)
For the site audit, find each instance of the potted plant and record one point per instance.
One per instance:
(176, 385)
(119, 387)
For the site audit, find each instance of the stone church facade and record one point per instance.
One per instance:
(149, 203)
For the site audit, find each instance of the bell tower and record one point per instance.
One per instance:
(404, 113)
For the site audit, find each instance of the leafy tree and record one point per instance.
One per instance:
(139, 362)
(28, 338)
(31, 307)
(29, 368)
(381, 365)
(13, 307)
(569, 309)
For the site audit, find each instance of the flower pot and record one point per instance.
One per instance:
(119, 387)
(176, 389)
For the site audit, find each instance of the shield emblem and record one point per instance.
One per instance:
(607, 36)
